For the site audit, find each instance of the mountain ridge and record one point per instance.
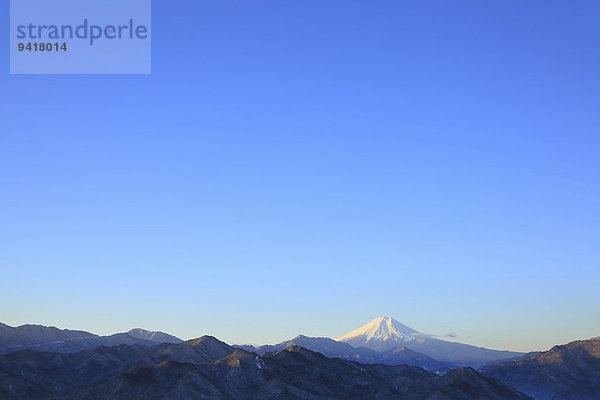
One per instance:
(53, 339)
(332, 348)
(569, 371)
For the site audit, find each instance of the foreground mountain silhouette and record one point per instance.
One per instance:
(385, 333)
(43, 338)
(295, 373)
(30, 374)
(571, 371)
(207, 368)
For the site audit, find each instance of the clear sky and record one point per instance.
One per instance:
(304, 167)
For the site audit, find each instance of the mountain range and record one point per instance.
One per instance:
(155, 365)
(43, 338)
(385, 340)
(332, 348)
(294, 373)
(207, 368)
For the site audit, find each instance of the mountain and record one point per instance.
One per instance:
(331, 348)
(51, 339)
(402, 355)
(14, 387)
(195, 351)
(381, 334)
(326, 346)
(32, 374)
(56, 373)
(14, 339)
(293, 373)
(384, 334)
(570, 371)
(153, 336)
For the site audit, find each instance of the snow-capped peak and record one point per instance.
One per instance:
(384, 332)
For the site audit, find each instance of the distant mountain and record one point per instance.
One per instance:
(403, 355)
(571, 371)
(326, 346)
(34, 375)
(381, 334)
(385, 333)
(153, 336)
(331, 348)
(51, 339)
(14, 339)
(293, 373)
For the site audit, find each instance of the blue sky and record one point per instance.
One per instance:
(305, 167)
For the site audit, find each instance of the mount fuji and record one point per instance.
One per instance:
(381, 334)
(385, 333)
